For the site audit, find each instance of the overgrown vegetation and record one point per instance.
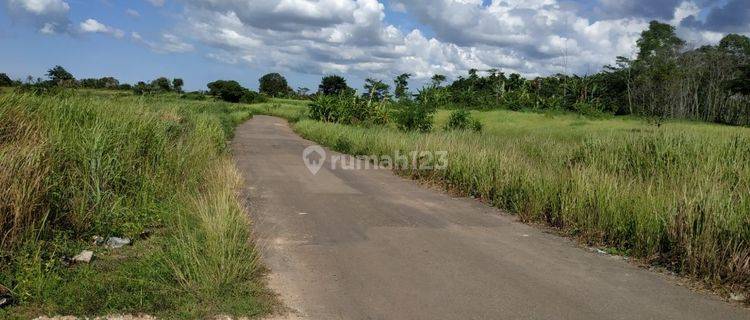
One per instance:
(154, 169)
(461, 119)
(664, 81)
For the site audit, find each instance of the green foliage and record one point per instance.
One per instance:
(402, 86)
(194, 95)
(736, 44)
(177, 84)
(658, 41)
(414, 115)
(346, 109)
(141, 88)
(741, 85)
(60, 76)
(461, 119)
(438, 79)
(80, 165)
(229, 91)
(251, 97)
(101, 83)
(161, 84)
(274, 85)
(376, 90)
(333, 85)
(5, 81)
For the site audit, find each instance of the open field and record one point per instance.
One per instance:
(675, 195)
(154, 169)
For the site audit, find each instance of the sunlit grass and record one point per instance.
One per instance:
(83, 163)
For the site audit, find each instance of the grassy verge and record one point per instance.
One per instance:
(675, 195)
(80, 164)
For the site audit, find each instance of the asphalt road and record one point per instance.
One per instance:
(366, 244)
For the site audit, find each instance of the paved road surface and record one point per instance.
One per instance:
(371, 245)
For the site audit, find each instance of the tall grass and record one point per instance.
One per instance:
(677, 195)
(79, 164)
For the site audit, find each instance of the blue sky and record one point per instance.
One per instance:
(204, 40)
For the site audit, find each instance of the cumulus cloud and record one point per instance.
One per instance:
(48, 16)
(352, 36)
(94, 26)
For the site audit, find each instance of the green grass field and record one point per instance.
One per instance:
(80, 164)
(676, 195)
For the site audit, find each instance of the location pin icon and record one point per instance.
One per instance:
(314, 157)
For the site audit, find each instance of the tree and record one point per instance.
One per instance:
(5, 81)
(302, 92)
(376, 89)
(659, 40)
(333, 84)
(737, 45)
(161, 84)
(59, 76)
(230, 91)
(177, 84)
(402, 85)
(438, 79)
(141, 88)
(109, 83)
(741, 85)
(274, 84)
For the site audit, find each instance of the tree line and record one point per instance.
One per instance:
(59, 77)
(665, 80)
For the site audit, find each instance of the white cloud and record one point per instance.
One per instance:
(133, 13)
(94, 26)
(42, 7)
(48, 16)
(686, 9)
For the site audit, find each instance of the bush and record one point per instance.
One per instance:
(461, 119)
(347, 109)
(195, 95)
(414, 115)
(324, 108)
(251, 97)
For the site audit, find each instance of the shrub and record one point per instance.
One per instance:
(414, 115)
(251, 97)
(346, 109)
(476, 125)
(461, 119)
(195, 95)
(324, 108)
